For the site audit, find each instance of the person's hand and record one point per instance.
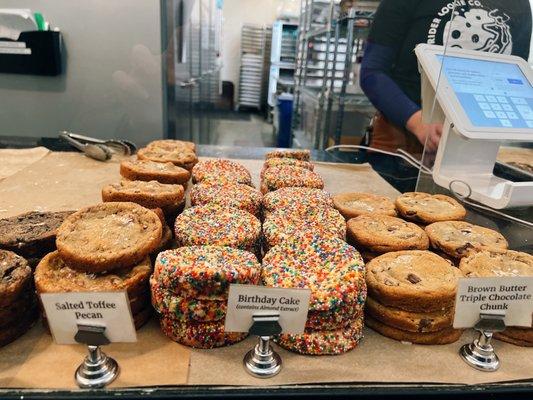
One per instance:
(422, 131)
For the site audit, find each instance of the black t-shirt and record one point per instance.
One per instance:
(498, 26)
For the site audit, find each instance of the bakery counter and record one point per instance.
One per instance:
(52, 179)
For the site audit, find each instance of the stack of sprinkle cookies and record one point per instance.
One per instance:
(334, 272)
(190, 290)
(221, 171)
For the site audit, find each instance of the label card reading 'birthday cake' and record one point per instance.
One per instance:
(247, 301)
(65, 311)
(511, 297)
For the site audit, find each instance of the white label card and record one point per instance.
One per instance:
(245, 301)
(509, 296)
(64, 311)
(14, 50)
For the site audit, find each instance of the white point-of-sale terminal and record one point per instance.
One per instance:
(482, 100)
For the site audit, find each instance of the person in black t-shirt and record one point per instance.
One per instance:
(389, 73)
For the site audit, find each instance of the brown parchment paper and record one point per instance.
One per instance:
(64, 181)
(15, 160)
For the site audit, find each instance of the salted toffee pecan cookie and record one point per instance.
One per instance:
(205, 271)
(221, 170)
(145, 170)
(293, 197)
(427, 208)
(381, 233)
(352, 205)
(147, 194)
(459, 239)
(15, 277)
(52, 275)
(284, 225)
(409, 321)
(497, 263)
(303, 155)
(330, 268)
(108, 237)
(233, 195)
(200, 335)
(33, 234)
(286, 176)
(416, 281)
(444, 336)
(218, 226)
(327, 342)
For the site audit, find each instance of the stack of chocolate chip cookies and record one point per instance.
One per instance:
(18, 306)
(181, 154)
(334, 272)
(104, 248)
(190, 290)
(411, 295)
(498, 263)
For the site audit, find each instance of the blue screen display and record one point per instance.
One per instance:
(493, 94)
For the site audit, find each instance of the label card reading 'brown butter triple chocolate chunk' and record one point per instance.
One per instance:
(65, 311)
(511, 297)
(247, 301)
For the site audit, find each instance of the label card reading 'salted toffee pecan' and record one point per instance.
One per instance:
(65, 311)
(511, 297)
(246, 301)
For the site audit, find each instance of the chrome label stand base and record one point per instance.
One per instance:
(262, 361)
(97, 370)
(480, 353)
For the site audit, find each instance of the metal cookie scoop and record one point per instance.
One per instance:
(98, 152)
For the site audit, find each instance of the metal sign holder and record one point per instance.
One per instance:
(97, 370)
(480, 353)
(262, 361)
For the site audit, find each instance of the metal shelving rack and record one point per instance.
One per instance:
(340, 37)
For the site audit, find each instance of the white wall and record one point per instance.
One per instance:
(236, 13)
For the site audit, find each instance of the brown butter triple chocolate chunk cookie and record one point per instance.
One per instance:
(416, 281)
(15, 277)
(147, 194)
(108, 236)
(444, 336)
(54, 276)
(146, 170)
(410, 321)
(504, 337)
(24, 323)
(31, 235)
(12, 313)
(427, 208)
(459, 239)
(352, 205)
(497, 263)
(381, 233)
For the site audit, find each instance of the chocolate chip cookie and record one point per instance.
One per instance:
(428, 208)
(108, 237)
(181, 154)
(352, 205)
(381, 233)
(459, 239)
(497, 263)
(415, 281)
(147, 194)
(146, 170)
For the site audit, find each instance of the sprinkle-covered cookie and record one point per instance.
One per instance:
(278, 162)
(200, 335)
(330, 268)
(416, 281)
(108, 236)
(292, 197)
(223, 170)
(286, 176)
(218, 226)
(445, 336)
(147, 194)
(497, 263)
(338, 317)
(352, 205)
(459, 239)
(303, 155)
(324, 342)
(427, 208)
(381, 233)
(146, 170)
(233, 195)
(15, 277)
(205, 271)
(284, 225)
